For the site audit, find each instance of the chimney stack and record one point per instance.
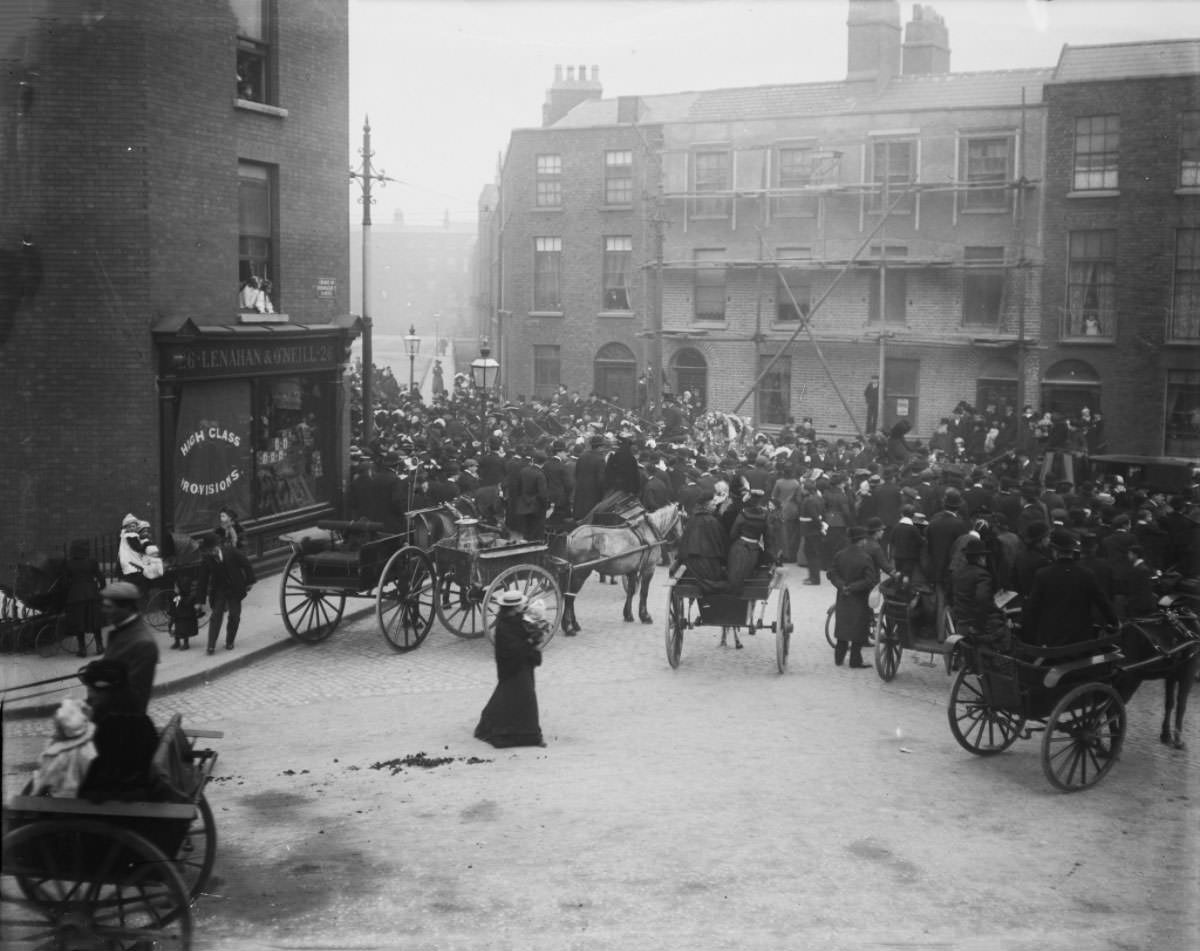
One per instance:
(567, 93)
(873, 41)
(926, 43)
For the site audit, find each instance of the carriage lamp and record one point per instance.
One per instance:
(412, 344)
(483, 367)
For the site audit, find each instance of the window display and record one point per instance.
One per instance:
(290, 444)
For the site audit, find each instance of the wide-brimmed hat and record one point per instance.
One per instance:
(510, 598)
(1063, 539)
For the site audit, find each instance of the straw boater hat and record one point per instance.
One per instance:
(510, 598)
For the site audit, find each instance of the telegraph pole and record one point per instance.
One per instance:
(365, 176)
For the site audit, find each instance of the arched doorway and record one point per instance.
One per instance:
(616, 374)
(1069, 386)
(997, 384)
(689, 372)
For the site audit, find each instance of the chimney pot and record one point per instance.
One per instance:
(570, 74)
(582, 73)
(595, 74)
(558, 73)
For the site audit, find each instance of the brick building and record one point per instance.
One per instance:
(1121, 327)
(173, 325)
(882, 223)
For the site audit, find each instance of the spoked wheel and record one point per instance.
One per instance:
(830, 626)
(46, 641)
(198, 851)
(157, 612)
(783, 629)
(536, 584)
(459, 606)
(309, 614)
(404, 602)
(888, 649)
(1083, 737)
(90, 884)
(979, 727)
(676, 619)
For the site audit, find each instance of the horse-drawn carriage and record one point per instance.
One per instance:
(112, 874)
(692, 606)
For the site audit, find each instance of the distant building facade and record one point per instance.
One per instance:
(179, 333)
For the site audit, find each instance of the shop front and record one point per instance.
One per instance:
(254, 420)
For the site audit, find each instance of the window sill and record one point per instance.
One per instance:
(1186, 190)
(249, 105)
(546, 209)
(245, 317)
(1096, 193)
(1182, 342)
(621, 314)
(695, 217)
(1092, 341)
(995, 210)
(545, 313)
(616, 207)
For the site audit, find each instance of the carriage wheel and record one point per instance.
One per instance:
(157, 612)
(979, 727)
(404, 602)
(1083, 737)
(675, 624)
(46, 640)
(198, 851)
(888, 649)
(783, 629)
(90, 884)
(309, 614)
(830, 626)
(459, 606)
(533, 581)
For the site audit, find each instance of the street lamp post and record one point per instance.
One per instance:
(412, 344)
(481, 367)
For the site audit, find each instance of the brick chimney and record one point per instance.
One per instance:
(926, 43)
(874, 41)
(567, 93)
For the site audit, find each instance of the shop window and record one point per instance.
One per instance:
(1092, 285)
(709, 286)
(893, 169)
(712, 174)
(1185, 295)
(1069, 386)
(691, 376)
(774, 390)
(547, 370)
(256, 238)
(253, 49)
(1182, 413)
(618, 266)
(1097, 144)
(985, 164)
(1189, 150)
(547, 275)
(793, 295)
(618, 178)
(292, 439)
(549, 181)
(983, 286)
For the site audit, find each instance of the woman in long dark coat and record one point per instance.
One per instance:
(854, 575)
(511, 715)
(83, 580)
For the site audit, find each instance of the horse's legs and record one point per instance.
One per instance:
(1169, 686)
(570, 624)
(1187, 677)
(629, 583)
(643, 611)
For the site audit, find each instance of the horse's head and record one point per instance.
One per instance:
(672, 527)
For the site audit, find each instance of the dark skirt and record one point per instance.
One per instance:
(82, 617)
(742, 559)
(511, 715)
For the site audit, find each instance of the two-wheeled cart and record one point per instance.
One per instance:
(113, 874)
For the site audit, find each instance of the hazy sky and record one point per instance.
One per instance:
(445, 81)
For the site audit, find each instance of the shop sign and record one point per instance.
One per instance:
(212, 453)
(327, 288)
(225, 359)
(901, 407)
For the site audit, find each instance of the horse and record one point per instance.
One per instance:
(1164, 647)
(631, 551)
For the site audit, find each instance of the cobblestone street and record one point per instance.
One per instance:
(719, 805)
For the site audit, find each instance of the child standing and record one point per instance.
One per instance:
(185, 614)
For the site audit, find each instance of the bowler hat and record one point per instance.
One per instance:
(856, 533)
(975, 546)
(1063, 539)
(875, 524)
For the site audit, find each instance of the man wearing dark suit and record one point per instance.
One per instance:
(621, 473)
(559, 483)
(379, 495)
(129, 639)
(491, 464)
(854, 574)
(532, 503)
(225, 578)
(871, 397)
(589, 478)
(1060, 608)
(945, 528)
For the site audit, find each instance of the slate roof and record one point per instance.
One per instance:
(1080, 64)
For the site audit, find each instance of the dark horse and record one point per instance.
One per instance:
(1163, 647)
(631, 551)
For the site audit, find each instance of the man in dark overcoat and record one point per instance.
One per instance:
(129, 639)
(560, 483)
(702, 548)
(621, 472)
(1059, 609)
(589, 478)
(532, 504)
(379, 495)
(853, 573)
(226, 576)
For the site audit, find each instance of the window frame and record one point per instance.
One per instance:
(1185, 287)
(1105, 286)
(895, 289)
(717, 180)
(548, 180)
(783, 302)
(986, 199)
(264, 264)
(1085, 176)
(708, 282)
(547, 369)
(795, 175)
(979, 284)
(766, 388)
(1189, 148)
(542, 257)
(880, 195)
(1180, 438)
(612, 179)
(254, 49)
(609, 289)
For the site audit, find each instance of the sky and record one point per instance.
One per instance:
(444, 82)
